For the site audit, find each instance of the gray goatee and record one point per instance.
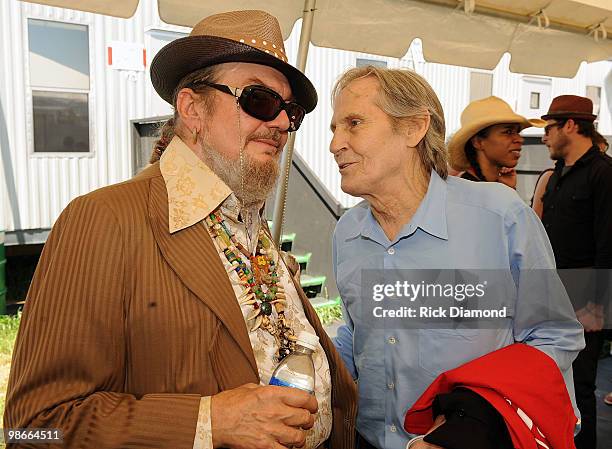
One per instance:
(251, 187)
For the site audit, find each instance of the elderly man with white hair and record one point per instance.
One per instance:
(388, 141)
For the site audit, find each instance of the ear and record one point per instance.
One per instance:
(477, 143)
(416, 128)
(570, 126)
(186, 106)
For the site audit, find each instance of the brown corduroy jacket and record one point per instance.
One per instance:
(126, 326)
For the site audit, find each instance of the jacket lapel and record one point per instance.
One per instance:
(192, 255)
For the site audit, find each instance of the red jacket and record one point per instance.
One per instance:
(523, 384)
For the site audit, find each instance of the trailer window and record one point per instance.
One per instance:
(59, 83)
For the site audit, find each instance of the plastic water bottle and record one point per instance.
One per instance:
(297, 369)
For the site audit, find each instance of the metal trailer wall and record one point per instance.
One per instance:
(35, 187)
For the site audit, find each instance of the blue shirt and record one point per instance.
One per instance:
(459, 224)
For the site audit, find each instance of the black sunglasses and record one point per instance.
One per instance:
(560, 124)
(263, 103)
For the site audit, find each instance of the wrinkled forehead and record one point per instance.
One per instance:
(356, 94)
(364, 87)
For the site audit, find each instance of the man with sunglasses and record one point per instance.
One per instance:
(160, 306)
(577, 215)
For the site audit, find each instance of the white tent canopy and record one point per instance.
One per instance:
(546, 37)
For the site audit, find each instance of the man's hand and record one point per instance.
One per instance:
(440, 419)
(261, 417)
(591, 317)
(507, 176)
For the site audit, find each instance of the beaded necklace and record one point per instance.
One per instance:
(262, 289)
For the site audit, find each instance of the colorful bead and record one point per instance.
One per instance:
(261, 281)
(266, 308)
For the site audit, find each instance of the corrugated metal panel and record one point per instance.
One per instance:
(14, 161)
(451, 84)
(506, 83)
(597, 72)
(39, 186)
(313, 139)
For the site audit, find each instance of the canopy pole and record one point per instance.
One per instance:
(281, 190)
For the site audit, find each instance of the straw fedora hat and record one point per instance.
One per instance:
(478, 115)
(236, 36)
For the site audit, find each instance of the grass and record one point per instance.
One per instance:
(329, 314)
(8, 332)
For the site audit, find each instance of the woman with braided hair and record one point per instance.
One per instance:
(487, 147)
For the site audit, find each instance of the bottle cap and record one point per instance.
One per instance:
(307, 340)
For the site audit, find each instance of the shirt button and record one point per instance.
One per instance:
(390, 385)
(392, 340)
(393, 428)
(391, 251)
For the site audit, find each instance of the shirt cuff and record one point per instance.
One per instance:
(203, 433)
(414, 440)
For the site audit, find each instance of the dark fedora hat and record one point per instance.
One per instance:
(571, 106)
(236, 36)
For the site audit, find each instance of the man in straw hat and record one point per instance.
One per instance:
(160, 306)
(487, 147)
(577, 215)
(414, 225)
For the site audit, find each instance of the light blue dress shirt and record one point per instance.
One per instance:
(460, 224)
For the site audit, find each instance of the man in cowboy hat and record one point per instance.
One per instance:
(160, 306)
(388, 141)
(577, 215)
(487, 147)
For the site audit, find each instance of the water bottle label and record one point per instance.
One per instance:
(281, 383)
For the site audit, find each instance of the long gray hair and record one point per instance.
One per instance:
(404, 94)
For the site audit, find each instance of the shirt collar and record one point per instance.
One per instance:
(584, 159)
(590, 154)
(194, 191)
(430, 215)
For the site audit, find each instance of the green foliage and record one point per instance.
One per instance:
(9, 324)
(329, 313)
